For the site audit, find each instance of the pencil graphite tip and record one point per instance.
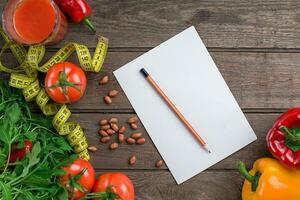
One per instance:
(144, 72)
(207, 149)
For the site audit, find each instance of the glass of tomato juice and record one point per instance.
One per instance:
(32, 22)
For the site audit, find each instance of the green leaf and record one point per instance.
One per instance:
(21, 144)
(37, 180)
(2, 107)
(35, 176)
(58, 172)
(62, 194)
(3, 155)
(25, 194)
(13, 113)
(44, 121)
(61, 144)
(5, 132)
(48, 172)
(31, 135)
(18, 170)
(32, 157)
(5, 191)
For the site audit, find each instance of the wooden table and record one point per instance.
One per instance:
(254, 43)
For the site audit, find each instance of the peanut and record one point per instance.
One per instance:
(131, 120)
(103, 122)
(134, 126)
(107, 100)
(114, 127)
(103, 133)
(141, 141)
(113, 93)
(105, 139)
(121, 138)
(136, 135)
(105, 127)
(110, 131)
(113, 146)
(104, 80)
(159, 163)
(92, 148)
(132, 160)
(130, 140)
(113, 120)
(122, 130)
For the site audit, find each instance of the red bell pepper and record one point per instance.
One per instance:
(18, 154)
(283, 139)
(77, 10)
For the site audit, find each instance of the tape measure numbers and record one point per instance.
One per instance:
(25, 75)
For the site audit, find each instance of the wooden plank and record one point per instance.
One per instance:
(225, 24)
(147, 154)
(257, 80)
(159, 185)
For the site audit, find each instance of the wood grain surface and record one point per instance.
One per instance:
(256, 46)
(224, 24)
(147, 154)
(209, 185)
(258, 80)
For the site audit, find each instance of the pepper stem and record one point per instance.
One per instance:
(252, 179)
(89, 24)
(243, 170)
(287, 133)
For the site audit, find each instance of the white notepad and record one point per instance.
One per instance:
(185, 71)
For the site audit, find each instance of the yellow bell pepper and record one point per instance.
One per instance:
(269, 180)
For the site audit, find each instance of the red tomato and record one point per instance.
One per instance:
(18, 154)
(87, 180)
(120, 184)
(65, 82)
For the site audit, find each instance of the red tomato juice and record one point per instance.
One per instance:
(34, 20)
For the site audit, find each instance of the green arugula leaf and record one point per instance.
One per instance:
(18, 170)
(25, 194)
(5, 132)
(37, 180)
(3, 155)
(62, 194)
(13, 113)
(31, 135)
(6, 191)
(34, 176)
(32, 158)
(20, 144)
(61, 144)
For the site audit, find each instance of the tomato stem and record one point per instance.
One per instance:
(63, 83)
(107, 195)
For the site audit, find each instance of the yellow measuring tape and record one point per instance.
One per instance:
(25, 75)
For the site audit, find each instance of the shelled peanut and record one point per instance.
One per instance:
(108, 128)
(108, 99)
(114, 134)
(104, 80)
(111, 127)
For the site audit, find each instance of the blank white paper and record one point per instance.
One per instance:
(186, 72)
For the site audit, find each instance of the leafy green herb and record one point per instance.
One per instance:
(35, 175)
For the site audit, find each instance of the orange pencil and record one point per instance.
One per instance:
(174, 109)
